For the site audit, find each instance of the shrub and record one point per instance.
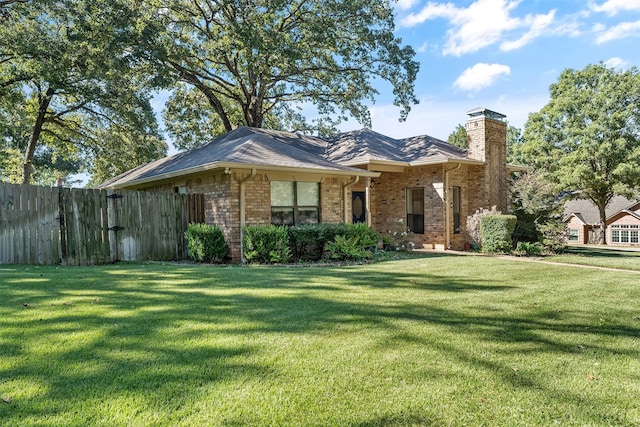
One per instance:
(364, 234)
(472, 230)
(528, 249)
(496, 231)
(266, 244)
(308, 241)
(399, 236)
(205, 242)
(348, 248)
(553, 236)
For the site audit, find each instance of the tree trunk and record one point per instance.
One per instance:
(602, 239)
(27, 168)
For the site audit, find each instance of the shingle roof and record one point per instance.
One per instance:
(275, 149)
(589, 212)
(244, 145)
(363, 146)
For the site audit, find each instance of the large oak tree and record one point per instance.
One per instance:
(587, 137)
(255, 62)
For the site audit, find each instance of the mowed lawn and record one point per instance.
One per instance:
(438, 340)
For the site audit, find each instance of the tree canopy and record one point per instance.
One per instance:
(259, 61)
(587, 137)
(69, 74)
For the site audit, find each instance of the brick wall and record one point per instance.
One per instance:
(486, 140)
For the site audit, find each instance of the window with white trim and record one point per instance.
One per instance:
(295, 202)
(573, 234)
(625, 234)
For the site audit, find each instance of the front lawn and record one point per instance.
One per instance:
(621, 258)
(439, 340)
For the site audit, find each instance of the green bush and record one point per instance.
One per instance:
(266, 244)
(553, 236)
(528, 249)
(348, 248)
(496, 231)
(363, 234)
(308, 241)
(205, 242)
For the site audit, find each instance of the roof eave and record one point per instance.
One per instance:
(244, 166)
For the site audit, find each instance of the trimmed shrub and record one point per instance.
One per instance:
(266, 244)
(496, 231)
(364, 235)
(472, 230)
(307, 241)
(205, 242)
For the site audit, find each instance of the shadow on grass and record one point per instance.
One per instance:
(588, 251)
(88, 335)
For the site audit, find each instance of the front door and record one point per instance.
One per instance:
(358, 207)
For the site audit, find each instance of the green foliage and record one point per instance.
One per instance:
(472, 228)
(528, 249)
(258, 60)
(70, 74)
(534, 201)
(308, 241)
(205, 242)
(554, 236)
(458, 137)
(496, 233)
(587, 137)
(266, 244)
(348, 248)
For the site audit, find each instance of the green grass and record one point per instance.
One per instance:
(599, 257)
(440, 340)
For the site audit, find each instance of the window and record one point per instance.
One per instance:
(415, 210)
(456, 210)
(573, 234)
(295, 202)
(624, 234)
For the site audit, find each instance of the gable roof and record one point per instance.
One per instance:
(589, 212)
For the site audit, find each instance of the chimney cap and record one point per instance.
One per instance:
(484, 112)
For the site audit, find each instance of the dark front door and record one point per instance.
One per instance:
(358, 207)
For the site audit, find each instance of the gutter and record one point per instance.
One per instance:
(242, 209)
(447, 202)
(345, 188)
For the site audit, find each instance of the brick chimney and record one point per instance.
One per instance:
(487, 142)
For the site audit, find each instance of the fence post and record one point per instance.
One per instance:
(63, 225)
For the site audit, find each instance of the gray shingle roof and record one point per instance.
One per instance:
(364, 145)
(268, 148)
(588, 212)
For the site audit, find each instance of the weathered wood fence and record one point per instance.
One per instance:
(49, 225)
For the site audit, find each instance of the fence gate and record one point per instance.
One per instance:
(44, 225)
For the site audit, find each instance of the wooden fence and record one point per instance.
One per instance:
(44, 225)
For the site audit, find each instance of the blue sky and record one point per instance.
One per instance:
(502, 55)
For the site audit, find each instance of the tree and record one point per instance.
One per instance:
(514, 142)
(587, 137)
(258, 60)
(69, 70)
(458, 137)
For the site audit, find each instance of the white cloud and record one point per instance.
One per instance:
(617, 63)
(405, 4)
(613, 7)
(538, 24)
(483, 23)
(480, 76)
(620, 31)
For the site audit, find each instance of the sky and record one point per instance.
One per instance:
(502, 55)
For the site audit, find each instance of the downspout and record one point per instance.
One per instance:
(368, 202)
(447, 202)
(242, 210)
(345, 187)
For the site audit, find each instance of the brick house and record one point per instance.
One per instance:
(259, 176)
(583, 221)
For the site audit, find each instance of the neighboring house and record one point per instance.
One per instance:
(259, 176)
(622, 225)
